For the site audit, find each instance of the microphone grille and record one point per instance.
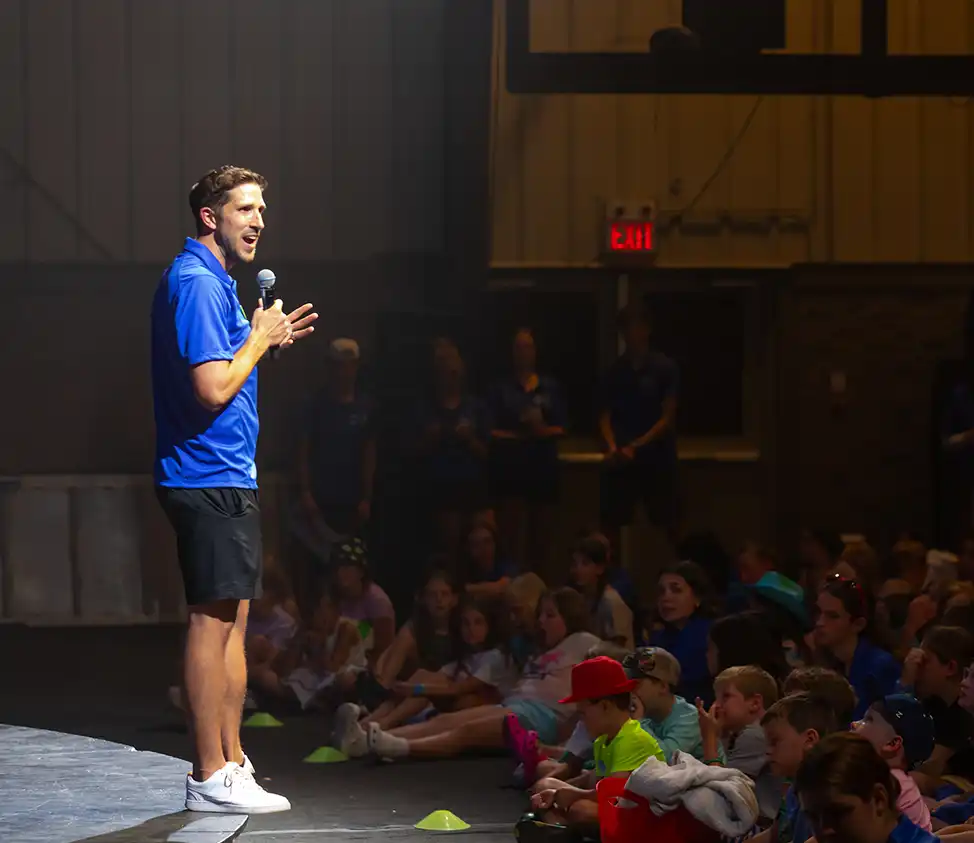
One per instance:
(266, 278)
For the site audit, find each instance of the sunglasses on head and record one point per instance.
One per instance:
(644, 662)
(850, 585)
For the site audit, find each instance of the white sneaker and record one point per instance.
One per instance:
(350, 737)
(386, 746)
(232, 791)
(248, 767)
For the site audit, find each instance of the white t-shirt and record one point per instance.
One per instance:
(613, 618)
(547, 678)
(491, 667)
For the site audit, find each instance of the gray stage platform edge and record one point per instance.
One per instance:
(60, 788)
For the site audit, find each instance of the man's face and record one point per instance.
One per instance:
(787, 747)
(239, 223)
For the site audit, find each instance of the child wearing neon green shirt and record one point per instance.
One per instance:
(601, 693)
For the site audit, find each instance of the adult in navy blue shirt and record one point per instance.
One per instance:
(638, 425)
(337, 466)
(527, 416)
(843, 629)
(452, 440)
(204, 381)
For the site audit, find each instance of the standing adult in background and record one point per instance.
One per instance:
(452, 442)
(638, 426)
(527, 416)
(204, 381)
(337, 463)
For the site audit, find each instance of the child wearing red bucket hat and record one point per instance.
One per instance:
(601, 693)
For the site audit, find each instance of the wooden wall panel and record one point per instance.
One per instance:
(256, 121)
(13, 232)
(52, 159)
(113, 108)
(417, 111)
(812, 178)
(159, 192)
(364, 74)
(309, 115)
(205, 93)
(103, 44)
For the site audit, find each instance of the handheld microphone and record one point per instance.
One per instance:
(266, 279)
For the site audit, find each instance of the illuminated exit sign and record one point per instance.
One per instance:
(630, 237)
(630, 231)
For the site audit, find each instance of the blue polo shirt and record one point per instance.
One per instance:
(197, 318)
(873, 674)
(634, 398)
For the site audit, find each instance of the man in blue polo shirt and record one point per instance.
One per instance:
(638, 425)
(204, 381)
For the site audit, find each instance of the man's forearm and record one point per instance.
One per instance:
(605, 428)
(654, 432)
(220, 389)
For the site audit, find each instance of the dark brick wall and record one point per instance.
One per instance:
(862, 461)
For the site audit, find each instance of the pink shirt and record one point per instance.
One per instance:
(910, 803)
(371, 606)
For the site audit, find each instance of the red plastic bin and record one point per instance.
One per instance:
(639, 824)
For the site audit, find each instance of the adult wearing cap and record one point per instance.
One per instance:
(336, 470)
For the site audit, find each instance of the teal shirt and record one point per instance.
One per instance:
(679, 731)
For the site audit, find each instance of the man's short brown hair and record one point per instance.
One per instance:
(805, 711)
(827, 684)
(751, 681)
(213, 190)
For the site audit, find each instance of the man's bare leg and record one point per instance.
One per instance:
(236, 686)
(205, 681)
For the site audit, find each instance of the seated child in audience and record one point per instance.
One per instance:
(617, 576)
(902, 733)
(827, 684)
(667, 717)
(934, 672)
(523, 596)
(361, 599)
(848, 794)
(533, 705)
(537, 761)
(329, 652)
(601, 693)
(429, 640)
(792, 726)
(612, 618)
(488, 573)
(743, 695)
(482, 675)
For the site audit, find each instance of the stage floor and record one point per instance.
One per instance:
(110, 684)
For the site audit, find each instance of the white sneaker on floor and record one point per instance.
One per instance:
(248, 767)
(232, 791)
(386, 746)
(350, 737)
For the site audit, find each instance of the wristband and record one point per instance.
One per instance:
(419, 690)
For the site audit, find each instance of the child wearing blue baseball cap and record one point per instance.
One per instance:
(902, 732)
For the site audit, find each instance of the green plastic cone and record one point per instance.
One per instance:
(262, 720)
(442, 821)
(364, 629)
(326, 755)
